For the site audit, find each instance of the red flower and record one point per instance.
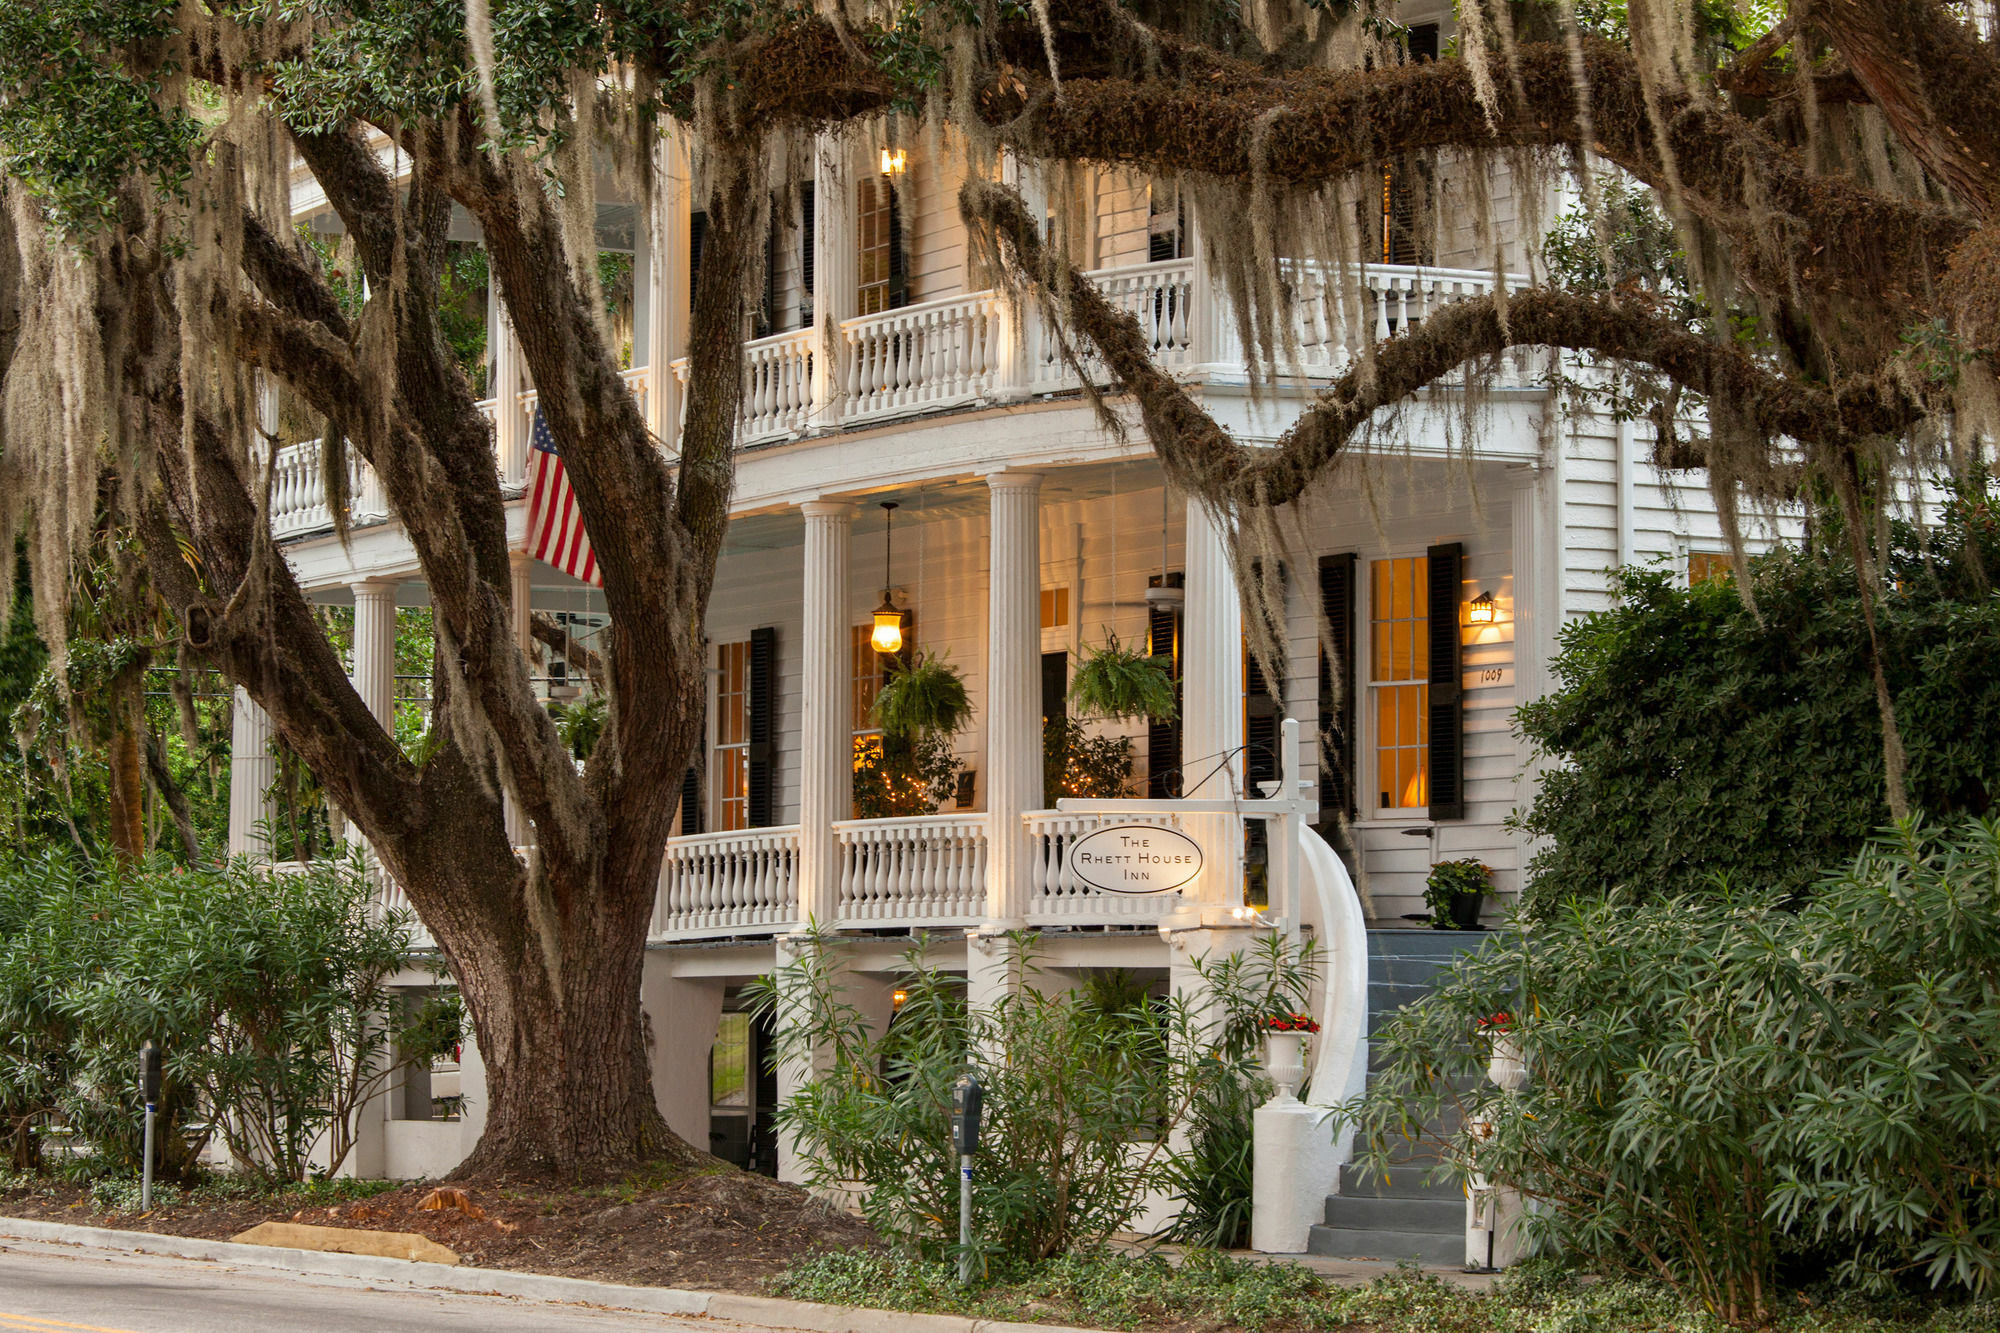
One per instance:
(1501, 1022)
(1288, 1023)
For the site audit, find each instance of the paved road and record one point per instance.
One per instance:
(60, 1289)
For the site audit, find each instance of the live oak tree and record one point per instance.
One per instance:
(1830, 171)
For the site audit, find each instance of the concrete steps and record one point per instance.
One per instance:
(1402, 1216)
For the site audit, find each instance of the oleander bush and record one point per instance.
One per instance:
(1087, 1090)
(1736, 1088)
(267, 992)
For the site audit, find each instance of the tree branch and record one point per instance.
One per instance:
(1204, 457)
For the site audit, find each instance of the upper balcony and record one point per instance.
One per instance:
(876, 310)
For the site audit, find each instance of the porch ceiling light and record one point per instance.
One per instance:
(1480, 612)
(888, 636)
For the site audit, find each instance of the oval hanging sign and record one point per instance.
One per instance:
(1135, 858)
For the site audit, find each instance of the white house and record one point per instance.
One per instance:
(886, 371)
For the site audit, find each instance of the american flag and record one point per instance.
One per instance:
(555, 524)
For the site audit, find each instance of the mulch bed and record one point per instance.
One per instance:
(720, 1230)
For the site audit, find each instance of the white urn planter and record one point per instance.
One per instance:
(1285, 1063)
(1507, 1064)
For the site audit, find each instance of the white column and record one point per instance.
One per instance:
(833, 269)
(826, 743)
(1212, 704)
(510, 437)
(1013, 699)
(374, 673)
(520, 566)
(252, 769)
(667, 289)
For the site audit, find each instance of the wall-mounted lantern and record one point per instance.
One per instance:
(894, 163)
(888, 636)
(1480, 612)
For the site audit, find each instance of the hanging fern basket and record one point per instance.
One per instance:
(925, 698)
(1116, 682)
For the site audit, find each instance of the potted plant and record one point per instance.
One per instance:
(923, 698)
(1117, 682)
(1454, 891)
(1285, 1050)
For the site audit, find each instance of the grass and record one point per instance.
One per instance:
(1123, 1291)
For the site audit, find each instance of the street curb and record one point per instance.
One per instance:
(769, 1310)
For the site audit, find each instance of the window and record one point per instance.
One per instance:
(880, 271)
(730, 780)
(1055, 608)
(867, 677)
(1166, 224)
(1398, 680)
(1708, 567)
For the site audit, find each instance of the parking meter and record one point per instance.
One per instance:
(149, 1092)
(967, 1096)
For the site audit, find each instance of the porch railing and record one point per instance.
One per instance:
(929, 870)
(1056, 897)
(742, 882)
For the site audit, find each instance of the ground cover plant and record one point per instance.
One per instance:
(1207, 1290)
(1731, 1091)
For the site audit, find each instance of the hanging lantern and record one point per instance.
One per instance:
(888, 636)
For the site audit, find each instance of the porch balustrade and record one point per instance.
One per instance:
(737, 883)
(978, 348)
(1056, 897)
(929, 870)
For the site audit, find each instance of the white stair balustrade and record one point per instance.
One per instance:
(740, 882)
(921, 358)
(1055, 897)
(925, 870)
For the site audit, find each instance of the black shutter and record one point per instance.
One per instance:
(1423, 39)
(697, 234)
(899, 261)
(1336, 707)
(762, 796)
(1447, 719)
(807, 255)
(1263, 705)
(1163, 739)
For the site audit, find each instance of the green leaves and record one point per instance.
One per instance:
(84, 103)
(265, 990)
(1697, 740)
(1116, 682)
(1721, 1086)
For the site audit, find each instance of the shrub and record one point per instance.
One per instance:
(1723, 1090)
(265, 992)
(1084, 1090)
(1697, 738)
(1076, 763)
